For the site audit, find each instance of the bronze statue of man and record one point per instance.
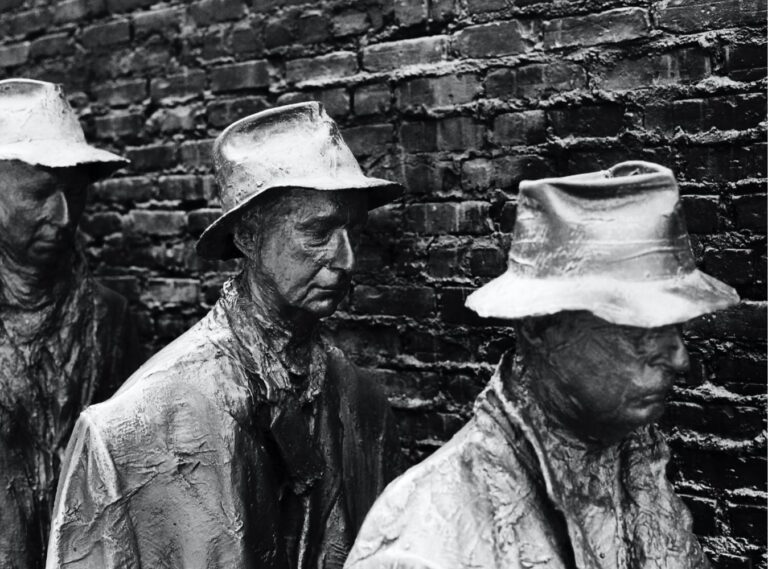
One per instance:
(561, 465)
(65, 340)
(250, 441)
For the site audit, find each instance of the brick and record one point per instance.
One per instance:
(748, 521)
(75, 10)
(496, 39)
(419, 136)
(589, 120)
(696, 15)
(467, 218)
(121, 92)
(443, 261)
(720, 469)
(487, 261)
(397, 54)
(332, 65)
(335, 101)
(119, 125)
(197, 153)
(723, 163)
(349, 22)
(424, 174)
(410, 12)
(102, 223)
(171, 291)
(152, 157)
(438, 91)
(696, 115)
(704, 512)
(278, 32)
(14, 54)
(613, 26)
(51, 46)
(8, 5)
(459, 133)
(312, 27)
(164, 21)
(109, 34)
(372, 99)
(453, 310)
(745, 62)
(178, 87)
(683, 65)
(127, 5)
(135, 190)
(527, 127)
(368, 140)
(27, 22)
(222, 112)
(199, 219)
(701, 213)
(206, 12)
(417, 302)
(503, 172)
(160, 223)
(245, 39)
(483, 6)
(239, 76)
(750, 212)
(732, 266)
(175, 119)
(742, 368)
(535, 81)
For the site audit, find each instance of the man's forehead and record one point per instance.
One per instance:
(316, 203)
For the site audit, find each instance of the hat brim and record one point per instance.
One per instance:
(64, 154)
(216, 241)
(648, 304)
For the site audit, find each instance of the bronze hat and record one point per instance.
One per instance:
(37, 126)
(613, 243)
(294, 146)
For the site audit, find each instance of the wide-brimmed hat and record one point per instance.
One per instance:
(37, 126)
(294, 146)
(613, 243)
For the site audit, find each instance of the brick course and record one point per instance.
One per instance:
(461, 100)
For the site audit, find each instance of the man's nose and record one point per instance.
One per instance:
(675, 351)
(343, 256)
(59, 212)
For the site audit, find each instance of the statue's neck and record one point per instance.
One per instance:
(289, 332)
(25, 287)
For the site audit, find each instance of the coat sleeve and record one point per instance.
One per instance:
(90, 528)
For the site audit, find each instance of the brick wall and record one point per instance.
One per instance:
(460, 99)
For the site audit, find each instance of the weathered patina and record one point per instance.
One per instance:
(65, 340)
(250, 441)
(561, 465)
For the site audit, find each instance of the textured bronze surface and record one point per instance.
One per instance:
(250, 441)
(65, 340)
(561, 465)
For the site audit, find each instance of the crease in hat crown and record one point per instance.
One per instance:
(39, 127)
(293, 146)
(612, 242)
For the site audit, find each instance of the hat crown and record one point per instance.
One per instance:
(624, 223)
(36, 111)
(290, 146)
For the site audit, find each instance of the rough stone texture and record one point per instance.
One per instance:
(460, 100)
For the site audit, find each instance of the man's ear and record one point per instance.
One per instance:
(245, 240)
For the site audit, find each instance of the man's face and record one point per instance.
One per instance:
(39, 212)
(614, 377)
(305, 251)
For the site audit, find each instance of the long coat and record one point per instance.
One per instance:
(509, 492)
(210, 457)
(74, 354)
